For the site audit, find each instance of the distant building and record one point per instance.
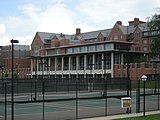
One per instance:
(107, 52)
(0, 56)
(1, 66)
(21, 60)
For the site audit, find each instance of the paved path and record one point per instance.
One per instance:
(122, 116)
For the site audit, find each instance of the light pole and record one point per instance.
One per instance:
(13, 41)
(144, 78)
(34, 67)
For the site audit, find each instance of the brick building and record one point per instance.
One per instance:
(21, 61)
(92, 54)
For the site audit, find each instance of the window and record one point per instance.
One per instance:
(115, 37)
(108, 61)
(145, 33)
(121, 37)
(76, 49)
(137, 34)
(83, 49)
(100, 39)
(109, 47)
(144, 48)
(110, 38)
(16, 54)
(89, 60)
(58, 51)
(137, 40)
(81, 62)
(69, 50)
(99, 47)
(154, 33)
(117, 59)
(98, 61)
(144, 41)
(137, 49)
(90, 48)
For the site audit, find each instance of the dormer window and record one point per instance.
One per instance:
(47, 40)
(115, 37)
(137, 34)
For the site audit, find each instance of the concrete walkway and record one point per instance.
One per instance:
(122, 116)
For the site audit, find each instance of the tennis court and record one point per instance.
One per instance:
(61, 100)
(63, 105)
(59, 104)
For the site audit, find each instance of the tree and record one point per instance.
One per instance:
(5, 75)
(15, 75)
(154, 24)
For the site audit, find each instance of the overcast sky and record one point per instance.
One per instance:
(21, 19)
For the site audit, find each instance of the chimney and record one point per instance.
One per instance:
(61, 35)
(136, 21)
(119, 22)
(78, 31)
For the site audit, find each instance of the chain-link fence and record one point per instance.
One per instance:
(75, 98)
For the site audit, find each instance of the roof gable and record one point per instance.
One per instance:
(116, 30)
(94, 34)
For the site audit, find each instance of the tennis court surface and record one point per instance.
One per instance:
(72, 99)
(58, 105)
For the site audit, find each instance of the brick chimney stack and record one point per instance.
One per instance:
(136, 21)
(119, 22)
(78, 31)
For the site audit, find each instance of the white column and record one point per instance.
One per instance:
(112, 64)
(85, 66)
(77, 61)
(122, 58)
(37, 67)
(32, 65)
(69, 65)
(93, 63)
(62, 65)
(49, 66)
(55, 64)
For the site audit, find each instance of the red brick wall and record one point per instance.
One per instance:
(64, 42)
(37, 41)
(55, 43)
(135, 71)
(116, 31)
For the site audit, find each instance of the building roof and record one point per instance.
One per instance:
(46, 37)
(131, 28)
(62, 36)
(94, 34)
(84, 36)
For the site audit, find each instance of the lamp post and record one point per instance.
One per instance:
(144, 78)
(35, 68)
(12, 115)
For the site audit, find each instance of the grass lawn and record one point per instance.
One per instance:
(148, 117)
